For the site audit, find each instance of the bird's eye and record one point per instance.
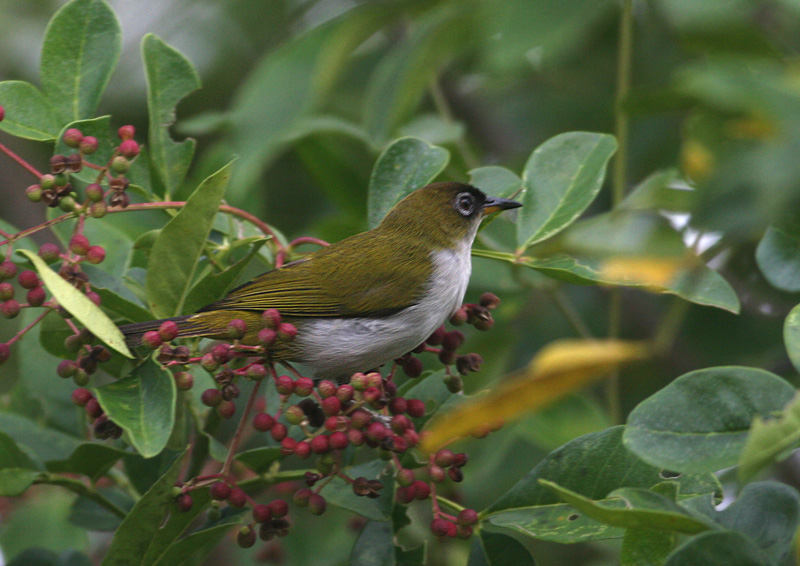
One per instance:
(465, 204)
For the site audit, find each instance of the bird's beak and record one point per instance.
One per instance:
(495, 204)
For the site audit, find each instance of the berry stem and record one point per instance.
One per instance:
(22, 332)
(32, 230)
(21, 162)
(237, 437)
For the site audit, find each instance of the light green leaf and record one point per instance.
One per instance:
(79, 306)
(562, 176)
(791, 336)
(700, 421)
(176, 252)
(170, 78)
(718, 549)
(496, 181)
(29, 113)
(80, 50)
(405, 165)
(770, 439)
(143, 404)
(778, 256)
(656, 193)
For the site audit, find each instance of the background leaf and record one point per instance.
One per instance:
(29, 113)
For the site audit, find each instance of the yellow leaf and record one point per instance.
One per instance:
(655, 273)
(558, 369)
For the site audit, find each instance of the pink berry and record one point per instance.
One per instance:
(10, 309)
(126, 132)
(48, 252)
(36, 297)
(440, 527)
(168, 330)
(96, 254)
(320, 444)
(262, 422)
(416, 408)
(81, 396)
(151, 339)
(73, 137)
(2, 113)
(6, 291)
(220, 491)
(8, 270)
(279, 508)
(129, 148)
(262, 514)
(28, 279)
(79, 244)
(88, 145)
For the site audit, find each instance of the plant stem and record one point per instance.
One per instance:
(21, 162)
(237, 437)
(78, 487)
(624, 58)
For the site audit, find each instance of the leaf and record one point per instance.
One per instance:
(562, 176)
(496, 181)
(46, 444)
(778, 256)
(81, 47)
(29, 113)
(646, 547)
(700, 421)
(657, 193)
(566, 419)
(643, 509)
(99, 128)
(404, 166)
(79, 306)
(593, 466)
(170, 78)
(791, 336)
(340, 493)
(178, 247)
(497, 549)
(90, 515)
(196, 546)
(560, 368)
(143, 404)
(17, 468)
(718, 549)
(770, 439)
(374, 545)
(259, 459)
(153, 524)
(90, 459)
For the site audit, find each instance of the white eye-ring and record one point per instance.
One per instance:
(465, 204)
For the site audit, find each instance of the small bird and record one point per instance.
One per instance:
(364, 300)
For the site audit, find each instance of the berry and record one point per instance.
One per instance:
(211, 397)
(356, 437)
(288, 445)
(317, 504)
(302, 450)
(267, 336)
(94, 192)
(262, 513)
(279, 508)
(278, 432)
(303, 386)
(422, 490)
(79, 244)
(73, 137)
(256, 372)
(93, 408)
(6, 291)
(262, 422)
(168, 331)
(437, 474)
(34, 193)
(416, 408)
(399, 423)
(284, 385)
(302, 497)
(126, 132)
(287, 332)
(88, 145)
(120, 164)
(28, 279)
(331, 406)
(129, 149)
(8, 270)
(74, 163)
(489, 300)
(412, 367)
(339, 440)
(235, 329)
(151, 339)
(58, 164)
(444, 458)
(460, 460)
(5, 352)
(237, 497)
(344, 393)
(455, 474)
(320, 444)
(2, 113)
(81, 396)
(246, 537)
(10, 309)
(271, 318)
(184, 380)
(440, 527)
(226, 409)
(360, 419)
(67, 204)
(96, 254)
(66, 368)
(94, 297)
(398, 406)
(48, 252)
(36, 297)
(376, 432)
(459, 317)
(452, 340)
(220, 491)
(467, 517)
(184, 502)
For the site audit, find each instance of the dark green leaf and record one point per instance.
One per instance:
(195, 547)
(259, 459)
(374, 545)
(700, 421)
(340, 493)
(778, 256)
(177, 250)
(89, 459)
(12, 456)
(562, 176)
(14, 481)
(719, 549)
(404, 166)
(170, 78)
(80, 50)
(646, 547)
(90, 515)
(45, 557)
(116, 296)
(770, 439)
(593, 466)
(81, 307)
(44, 443)
(497, 549)
(143, 404)
(29, 113)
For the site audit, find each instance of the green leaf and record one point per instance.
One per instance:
(99, 128)
(778, 256)
(562, 176)
(593, 466)
(153, 524)
(700, 421)
(176, 252)
(770, 439)
(496, 181)
(646, 547)
(497, 549)
(791, 336)
(79, 306)
(17, 468)
(170, 78)
(405, 73)
(259, 459)
(215, 285)
(632, 508)
(340, 493)
(718, 549)
(768, 513)
(404, 166)
(374, 545)
(45, 444)
(116, 296)
(196, 547)
(81, 47)
(90, 515)
(29, 113)
(656, 193)
(143, 404)
(566, 419)
(90, 459)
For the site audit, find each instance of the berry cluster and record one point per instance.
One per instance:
(102, 427)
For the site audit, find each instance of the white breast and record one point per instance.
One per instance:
(340, 347)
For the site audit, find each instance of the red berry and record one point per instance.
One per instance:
(93, 408)
(467, 517)
(416, 408)
(302, 496)
(10, 309)
(303, 386)
(48, 252)
(331, 406)
(376, 432)
(79, 244)
(96, 254)
(81, 396)
(2, 113)
(317, 504)
(129, 148)
(88, 145)
(73, 137)
(236, 329)
(267, 336)
(151, 339)
(220, 491)
(8, 270)
(440, 527)
(356, 437)
(399, 423)
(66, 368)
(271, 318)
(184, 380)
(262, 422)
(302, 450)
(246, 537)
(320, 444)
(326, 388)
(28, 279)
(360, 419)
(444, 458)
(126, 132)
(339, 440)
(460, 460)
(398, 406)
(287, 332)
(279, 508)
(287, 446)
(168, 330)
(344, 393)
(6, 291)
(459, 317)
(184, 502)
(94, 297)
(36, 297)
(284, 385)
(278, 431)
(211, 397)
(262, 514)
(237, 497)
(256, 372)
(412, 367)
(226, 409)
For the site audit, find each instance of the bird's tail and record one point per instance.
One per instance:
(133, 332)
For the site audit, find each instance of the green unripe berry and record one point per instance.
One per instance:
(94, 192)
(98, 209)
(47, 181)
(81, 378)
(67, 204)
(61, 180)
(34, 193)
(120, 164)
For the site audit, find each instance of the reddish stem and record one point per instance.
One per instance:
(21, 162)
(308, 240)
(226, 467)
(22, 332)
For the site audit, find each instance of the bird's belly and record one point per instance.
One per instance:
(338, 347)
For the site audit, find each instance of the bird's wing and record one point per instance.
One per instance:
(335, 282)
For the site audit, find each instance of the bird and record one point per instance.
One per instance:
(367, 299)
